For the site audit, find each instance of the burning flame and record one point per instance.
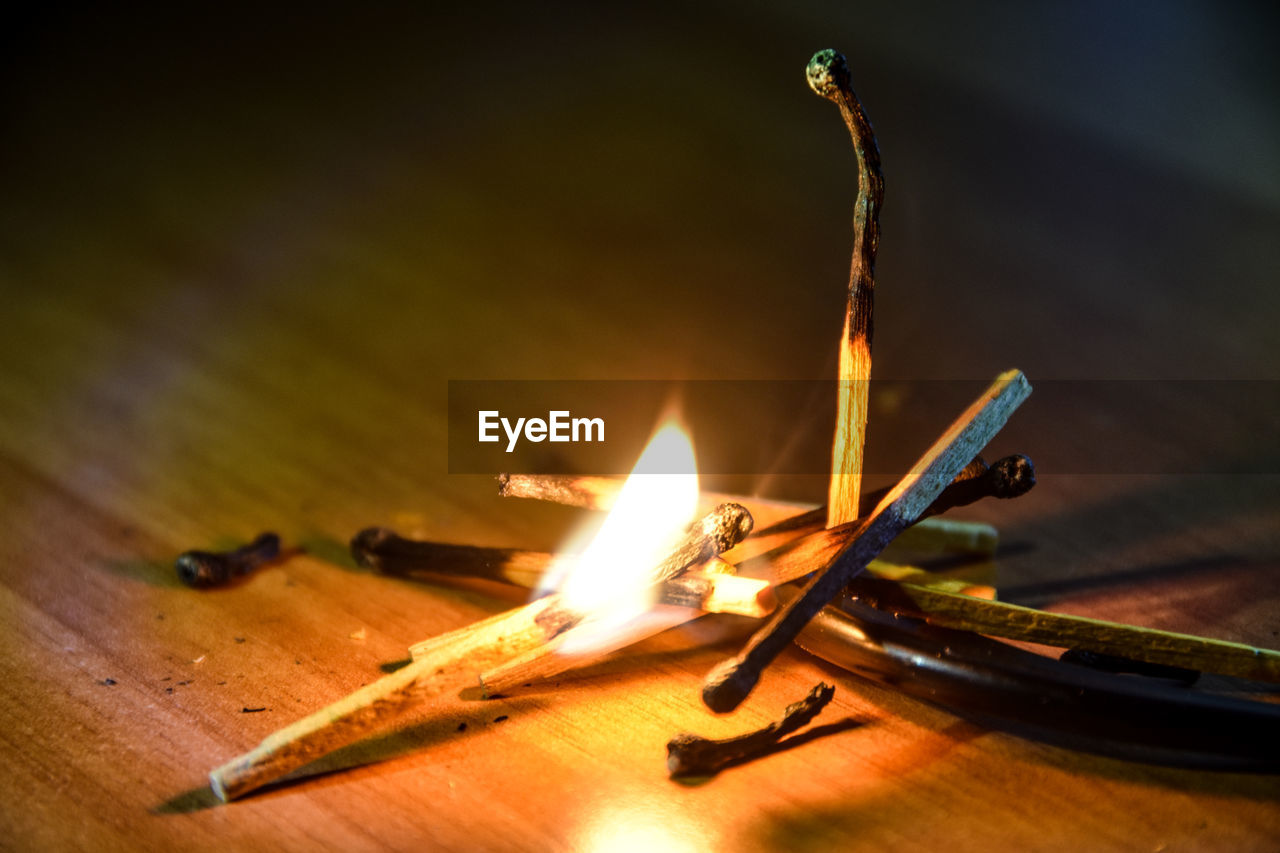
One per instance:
(610, 578)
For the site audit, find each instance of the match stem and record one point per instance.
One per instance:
(453, 663)
(694, 755)
(1025, 624)
(600, 493)
(828, 75)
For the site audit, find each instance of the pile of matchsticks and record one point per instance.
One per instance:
(742, 551)
(723, 564)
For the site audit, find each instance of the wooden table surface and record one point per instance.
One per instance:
(243, 254)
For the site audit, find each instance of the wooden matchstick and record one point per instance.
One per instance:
(730, 682)
(719, 592)
(600, 493)
(386, 551)
(694, 755)
(999, 619)
(206, 569)
(452, 664)
(1030, 694)
(452, 660)
(383, 550)
(1009, 477)
(828, 75)
(777, 521)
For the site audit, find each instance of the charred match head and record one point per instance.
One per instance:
(1011, 477)
(828, 73)
(726, 526)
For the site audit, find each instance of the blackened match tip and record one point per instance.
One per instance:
(1013, 476)
(365, 544)
(200, 569)
(727, 685)
(828, 73)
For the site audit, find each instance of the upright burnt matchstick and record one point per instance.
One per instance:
(730, 682)
(828, 75)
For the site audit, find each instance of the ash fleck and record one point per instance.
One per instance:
(247, 710)
(108, 682)
(501, 718)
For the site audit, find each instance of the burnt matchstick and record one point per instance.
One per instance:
(384, 550)
(1009, 477)
(600, 493)
(388, 552)
(206, 569)
(828, 75)
(729, 683)
(453, 660)
(694, 755)
(714, 590)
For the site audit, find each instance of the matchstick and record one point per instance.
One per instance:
(828, 75)
(730, 682)
(694, 755)
(1141, 718)
(719, 592)
(777, 521)
(383, 550)
(453, 660)
(999, 619)
(600, 493)
(1009, 477)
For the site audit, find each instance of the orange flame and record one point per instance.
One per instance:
(610, 578)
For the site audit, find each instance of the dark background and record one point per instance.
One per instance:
(572, 192)
(236, 239)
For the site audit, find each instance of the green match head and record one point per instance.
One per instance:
(828, 73)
